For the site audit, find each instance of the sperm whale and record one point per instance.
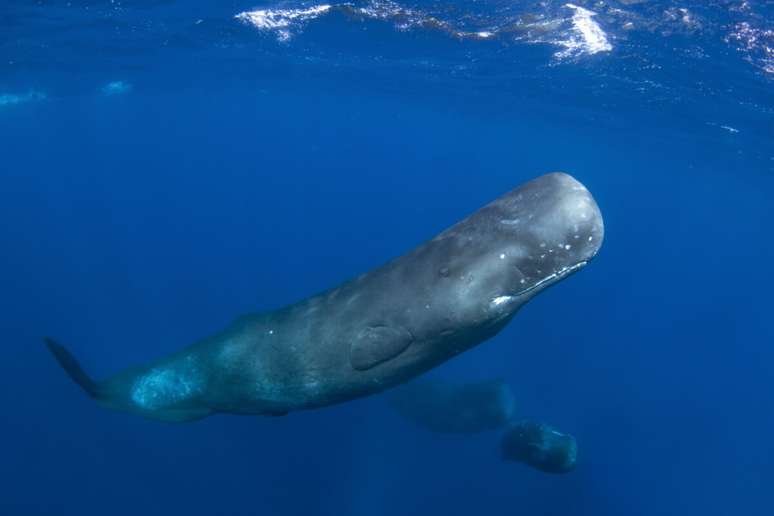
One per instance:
(379, 329)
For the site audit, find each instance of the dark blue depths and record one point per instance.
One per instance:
(136, 223)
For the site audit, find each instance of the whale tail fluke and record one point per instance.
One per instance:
(112, 393)
(72, 367)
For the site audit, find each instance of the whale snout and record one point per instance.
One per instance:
(567, 224)
(550, 227)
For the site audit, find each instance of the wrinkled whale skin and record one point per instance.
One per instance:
(379, 329)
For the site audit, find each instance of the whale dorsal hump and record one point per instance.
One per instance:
(377, 344)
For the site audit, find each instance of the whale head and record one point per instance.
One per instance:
(550, 228)
(510, 250)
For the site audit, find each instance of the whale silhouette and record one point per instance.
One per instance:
(379, 329)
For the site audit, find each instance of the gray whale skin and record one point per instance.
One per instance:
(379, 329)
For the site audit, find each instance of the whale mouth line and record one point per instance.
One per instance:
(553, 278)
(545, 282)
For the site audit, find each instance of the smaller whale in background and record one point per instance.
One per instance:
(540, 446)
(379, 329)
(455, 408)
(467, 408)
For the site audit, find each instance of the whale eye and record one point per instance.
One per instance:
(377, 344)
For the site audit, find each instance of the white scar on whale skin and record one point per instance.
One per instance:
(501, 299)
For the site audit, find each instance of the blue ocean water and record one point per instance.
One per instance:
(168, 165)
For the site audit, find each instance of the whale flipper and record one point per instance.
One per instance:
(72, 367)
(377, 344)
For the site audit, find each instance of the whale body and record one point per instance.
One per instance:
(539, 446)
(455, 408)
(379, 329)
